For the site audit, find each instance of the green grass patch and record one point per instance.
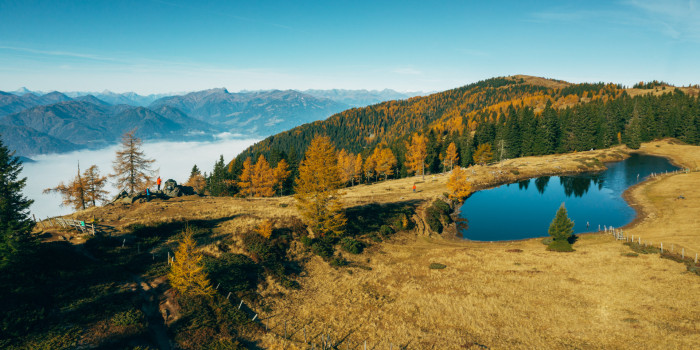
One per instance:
(560, 246)
(437, 266)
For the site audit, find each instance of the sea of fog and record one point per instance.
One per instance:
(173, 160)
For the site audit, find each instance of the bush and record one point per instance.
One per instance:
(306, 241)
(386, 230)
(323, 247)
(351, 245)
(560, 246)
(131, 317)
(433, 219)
(339, 261)
(437, 266)
(442, 207)
(235, 272)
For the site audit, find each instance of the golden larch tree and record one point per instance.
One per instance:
(384, 161)
(451, 156)
(458, 185)
(318, 198)
(282, 172)
(369, 167)
(94, 185)
(132, 170)
(187, 273)
(358, 168)
(84, 191)
(263, 178)
(196, 180)
(245, 180)
(483, 154)
(346, 166)
(416, 152)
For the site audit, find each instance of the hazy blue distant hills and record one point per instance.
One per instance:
(33, 122)
(16, 138)
(11, 103)
(128, 98)
(259, 112)
(71, 125)
(361, 98)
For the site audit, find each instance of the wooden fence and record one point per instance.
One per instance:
(81, 226)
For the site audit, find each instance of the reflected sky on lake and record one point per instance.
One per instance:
(526, 208)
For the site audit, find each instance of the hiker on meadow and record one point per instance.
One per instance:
(158, 183)
(414, 187)
(148, 195)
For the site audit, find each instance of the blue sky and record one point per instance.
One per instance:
(153, 46)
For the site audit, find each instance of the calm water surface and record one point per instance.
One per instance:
(525, 209)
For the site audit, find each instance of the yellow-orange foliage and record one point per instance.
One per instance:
(84, 191)
(416, 151)
(483, 154)
(451, 156)
(187, 273)
(458, 185)
(197, 182)
(257, 180)
(282, 172)
(384, 161)
(346, 166)
(358, 168)
(265, 229)
(318, 198)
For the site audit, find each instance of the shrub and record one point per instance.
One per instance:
(386, 230)
(442, 207)
(131, 317)
(234, 272)
(323, 247)
(433, 219)
(306, 241)
(352, 246)
(339, 261)
(437, 266)
(560, 246)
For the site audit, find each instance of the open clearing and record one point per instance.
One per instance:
(495, 295)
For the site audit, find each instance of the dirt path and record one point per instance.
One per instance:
(156, 326)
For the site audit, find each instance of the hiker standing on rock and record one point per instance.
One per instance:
(148, 195)
(158, 183)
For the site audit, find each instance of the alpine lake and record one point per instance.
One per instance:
(525, 209)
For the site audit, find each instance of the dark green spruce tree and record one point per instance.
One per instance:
(561, 230)
(16, 240)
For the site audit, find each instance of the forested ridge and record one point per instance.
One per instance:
(513, 116)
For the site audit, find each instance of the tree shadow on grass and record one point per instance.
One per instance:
(368, 219)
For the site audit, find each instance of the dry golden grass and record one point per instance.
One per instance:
(490, 293)
(550, 83)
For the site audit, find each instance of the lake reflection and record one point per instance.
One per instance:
(526, 208)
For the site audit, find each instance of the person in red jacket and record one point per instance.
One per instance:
(158, 183)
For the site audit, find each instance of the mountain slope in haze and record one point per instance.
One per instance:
(82, 124)
(262, 112)
(11, 103)
(361, 98)
(15, 138)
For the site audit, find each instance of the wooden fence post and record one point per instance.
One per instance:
(682, 253)
(696, 258)
(662, 247)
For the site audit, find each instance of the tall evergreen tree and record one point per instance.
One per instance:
(15, 225)
(561, 230)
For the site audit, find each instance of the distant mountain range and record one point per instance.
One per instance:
(263, 112)
(37, 123)
(361, 98)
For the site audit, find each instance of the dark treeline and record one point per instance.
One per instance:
(515, 132)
